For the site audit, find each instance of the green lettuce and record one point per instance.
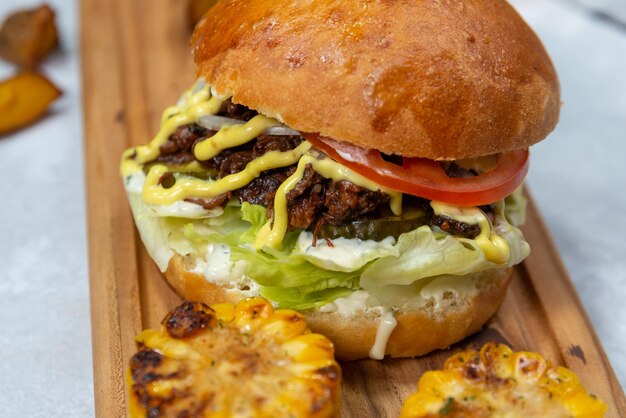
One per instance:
(423, 254)
(161, 236)
(300, 277)
(285, 276)
(515, 207)
(296, 298)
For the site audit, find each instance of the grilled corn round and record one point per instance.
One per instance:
(243, 360)
(497, 382)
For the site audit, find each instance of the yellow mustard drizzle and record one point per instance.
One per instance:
(187, 100)
(192, 167)
(273, 236)
(198, 102)
(154, 193)
(495, 248)
(129, 165)
(195, 104)
(230, 136)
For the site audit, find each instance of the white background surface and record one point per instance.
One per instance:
(578, 177)
(45, 343)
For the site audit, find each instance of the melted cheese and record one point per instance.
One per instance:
(230, 136)
(272, 236)
(495, 248)
(184, 188)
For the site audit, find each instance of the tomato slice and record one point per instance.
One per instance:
(426, 178)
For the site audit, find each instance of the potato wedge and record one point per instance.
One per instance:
(27, 36)
(24, 98)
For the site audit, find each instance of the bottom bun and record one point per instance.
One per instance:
(423, 325)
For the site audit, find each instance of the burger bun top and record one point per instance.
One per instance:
(445, 79)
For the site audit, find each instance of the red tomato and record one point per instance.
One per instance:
(426, 178)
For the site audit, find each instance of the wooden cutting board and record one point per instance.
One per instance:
(136, 61)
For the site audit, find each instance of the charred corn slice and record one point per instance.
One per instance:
(243, 360)
(497, 382)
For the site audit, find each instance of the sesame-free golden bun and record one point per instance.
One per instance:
(426, 324)
(437, 79)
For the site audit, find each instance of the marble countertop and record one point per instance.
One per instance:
(578, 177)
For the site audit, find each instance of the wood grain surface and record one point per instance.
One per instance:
(136, 61)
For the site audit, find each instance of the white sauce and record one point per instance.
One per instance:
(328, 308)
(437, 288)
(182, 209)
(357, 301)
(216, 267)
(348, 305)
(134, 182)
(386, 326)
(345, 254)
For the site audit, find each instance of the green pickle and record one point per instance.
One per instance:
(378, 229)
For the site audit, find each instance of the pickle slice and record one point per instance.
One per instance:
(377, 229)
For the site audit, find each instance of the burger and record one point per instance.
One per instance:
(360, 162)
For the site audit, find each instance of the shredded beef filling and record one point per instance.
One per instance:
(178, 150)
(454, 227)
(313, 202)
(237, 111)
(212, 203)
(306, 199)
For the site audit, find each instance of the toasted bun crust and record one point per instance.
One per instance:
(436, 79)
(421, 328)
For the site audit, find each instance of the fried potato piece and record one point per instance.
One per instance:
(197, 8)
(497, 382)
(27, 36)
(24, 98)
(244, 360)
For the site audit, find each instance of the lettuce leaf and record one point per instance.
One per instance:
(344, 254)
(161, 236)
(287, 276)
(289, 270)
(424, 253)
(299, 299)
(515, 207)
(300, 277)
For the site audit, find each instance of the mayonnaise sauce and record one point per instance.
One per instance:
(386, 326)
(358, 301)
(350, 304)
